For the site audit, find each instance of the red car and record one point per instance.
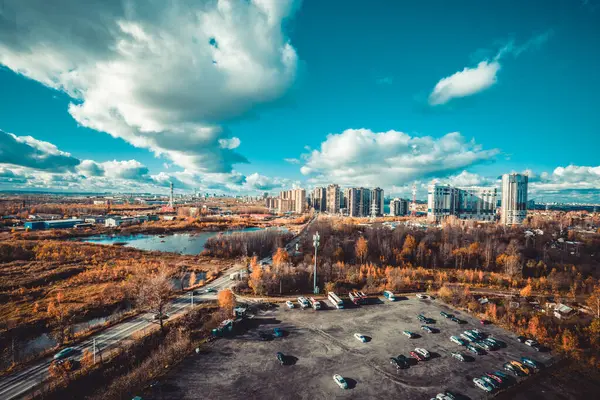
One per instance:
(494, 377)
(484, 321)
(417, 356)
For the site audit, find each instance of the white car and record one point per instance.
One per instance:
(289, 304)
(341, 382)
(442, 396)
(531, 342)
(422, 352)
(422, 296)
(456, 340)
(483, 385)
(360, 337)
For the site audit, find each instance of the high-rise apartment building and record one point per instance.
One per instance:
(319, 199)
(473, 203)
(377, 199)
(299, 197)
(364, 202)
(333, 199)
(398, 207)
(514, 199)
(353, 202)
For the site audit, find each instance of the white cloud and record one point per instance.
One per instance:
(470, 81)
(29, 152)
(163, 75)
(465, 83)
(572, 178)
(291, 160)
(256, 182)
(363, 157)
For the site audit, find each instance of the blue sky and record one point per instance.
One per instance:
(247, 97)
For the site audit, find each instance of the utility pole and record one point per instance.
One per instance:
(316, 239)
(192, 297)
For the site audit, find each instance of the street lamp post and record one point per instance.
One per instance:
(316, 239)
(192, 297)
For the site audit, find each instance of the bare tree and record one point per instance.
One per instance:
(153, 293)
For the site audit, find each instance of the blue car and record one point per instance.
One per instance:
(278, 332)
(64, 353)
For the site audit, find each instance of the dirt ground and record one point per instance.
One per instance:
(319, 344)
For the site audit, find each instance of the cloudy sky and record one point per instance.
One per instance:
(258, 95)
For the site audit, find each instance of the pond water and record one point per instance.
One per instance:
(183, 243)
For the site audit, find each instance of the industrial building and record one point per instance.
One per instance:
(53, 224)
(470, 203)
(514, 199)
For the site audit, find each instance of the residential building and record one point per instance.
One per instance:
(285, 206)
(514, 199)
(333, 199)
(398, 207)
(377, 199)
(364, 204)
(353, 202)
(319, 199)
(299, 197)
(472, 203)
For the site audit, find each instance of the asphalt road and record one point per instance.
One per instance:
(20, 383)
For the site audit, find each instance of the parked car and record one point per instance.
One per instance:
(417, 356)
(264, 336)
(277, 332)
(423, 352)
(280, 358)
(444, 396)
(530, 363)
(481, 384)
(521, 339)
(446, 315)
(459, 341)
(483, 345)
(458, 321)
(289, 304)
(341, 382)
(64, 353)
(360, 337)
(474, 349)
(500, 374)
(511, 368)
(399, 362)
(491, 344)
(422, 296)
(520, 366)
(427, 329)
(484, 322)
(459, 356)
(533, 344)
(495, 377)
(490, 381)
(497, 342)
(408, 334)
(159, 316)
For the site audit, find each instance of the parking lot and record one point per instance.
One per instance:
(319, 344)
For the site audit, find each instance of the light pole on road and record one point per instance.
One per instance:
(316, 239)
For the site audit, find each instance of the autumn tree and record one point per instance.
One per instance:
(153, 293)
(192, 281)
(526, 291)
(226, 301)
(87, 359)
(445, 293)
(255, 281)
(361, 249)
(408, 248)
(61, 370)
(58, 311)
(569, 342)
(594, 301)
(280, 257)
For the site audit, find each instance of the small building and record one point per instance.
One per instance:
(562, 311)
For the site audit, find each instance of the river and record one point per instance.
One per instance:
(182, 243)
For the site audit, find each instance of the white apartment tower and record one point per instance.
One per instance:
(377, 199)
(333, 199)
(471, 203)
(514, 199)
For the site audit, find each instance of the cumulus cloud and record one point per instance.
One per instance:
(163, 75)
(571, 179)
(29, 152)
(392, 158)
(465, 83)
(291, 160)
(472, 80)
(257, 182)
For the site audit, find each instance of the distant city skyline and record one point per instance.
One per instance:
(256, 96)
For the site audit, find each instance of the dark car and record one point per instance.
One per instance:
(474, 349)
(278, 332)
(265, 336)
(458, 321)
(280, 358)
(402, 360)
(521, 339)
(446, 315)
(64, 353)
(511, 368)
(427, 329)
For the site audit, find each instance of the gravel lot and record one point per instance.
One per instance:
(319, 344)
